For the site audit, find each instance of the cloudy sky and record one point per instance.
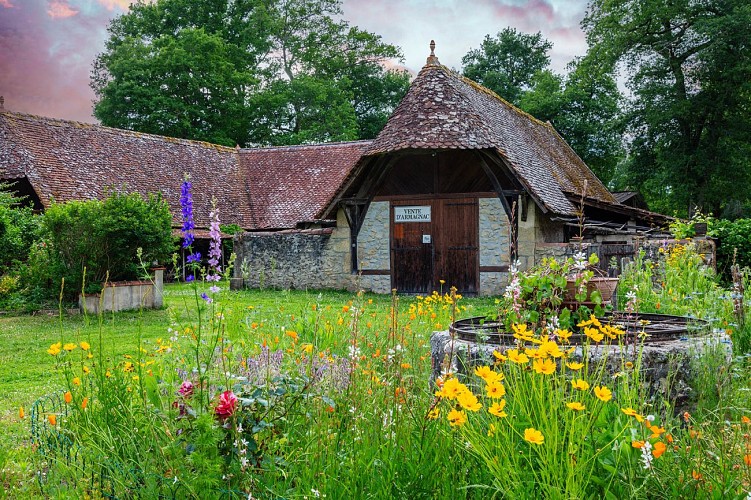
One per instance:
(47, 46)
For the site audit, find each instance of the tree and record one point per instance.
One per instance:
(508, 63)
(245, 72)
(689, 70)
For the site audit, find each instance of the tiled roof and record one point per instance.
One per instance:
(443, 110)
(255, 188)
(66, 160)
(292, 184)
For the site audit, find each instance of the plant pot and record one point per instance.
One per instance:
(606, 286)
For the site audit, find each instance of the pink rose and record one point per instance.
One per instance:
(186, 389)
(227, 405)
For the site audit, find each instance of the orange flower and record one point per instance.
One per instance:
(696, 475)
(21, 413)
(747, 459)
(637, 444)
(84, 403)
(745, 419)
(658, 449)
(293, 335)
(68, 397)
(52, 419)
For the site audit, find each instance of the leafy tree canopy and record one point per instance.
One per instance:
(245, 72)
(688, 67)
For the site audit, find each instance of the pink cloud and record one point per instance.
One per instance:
(60, 9)
(6, 4)
(112, 4)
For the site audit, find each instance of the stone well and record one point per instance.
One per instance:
(666, 353)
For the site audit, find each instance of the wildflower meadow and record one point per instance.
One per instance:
(282, 394)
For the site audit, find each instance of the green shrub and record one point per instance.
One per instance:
(103, 238)
(19, 229)
(733, 244)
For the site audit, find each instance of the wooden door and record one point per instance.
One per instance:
(411, 252)
(457, 244)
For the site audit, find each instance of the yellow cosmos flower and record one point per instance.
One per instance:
(457, 418)
(129, 367)
(495, 390)
(68, 397)
(544, 366)
(86, 370)
(533, 436)
(69, 346)
(488, 374)
(576, 405)
(594, 334)
(517, 357)
(603, 393)
(629, 411)
(308, 348)
(499, 356)
(434, 413)
(580, 384)
(573, 365)
(468, 401)
(564, 335)
(54, 349)
(591, 321)
(85, 345)
(76, 381)
(497, 409)
(451, 389)
(550, 348)
(535, 353)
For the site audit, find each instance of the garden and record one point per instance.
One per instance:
(295, 394)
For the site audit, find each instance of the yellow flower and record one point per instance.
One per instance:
(630, 412)
(488, 375)
(629, 365)
(603, 393)
(533, 436)
(434, 413)
(129, 367)
(451, 389)
(544, 366)
(495, 390)
(491, 430)
(68, 397)
(564, 335)
(86, 370)
(580, 384)
(457, 418)
(497, 409)
(308, 348)
(468, 401)
(550, 348)
(591, 321)
(594, 334)
(573, 365)
(85, 345)
(69, 346)
(499, 356)
(575, 405)
(54, 349)
(517, 357)
(76, 381)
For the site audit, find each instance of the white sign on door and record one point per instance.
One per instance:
(412, 214)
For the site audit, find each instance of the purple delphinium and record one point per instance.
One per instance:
(186, 203)
(208, 299)
(215, 247)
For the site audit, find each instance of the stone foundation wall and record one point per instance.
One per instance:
(373, 249)
(295, 259)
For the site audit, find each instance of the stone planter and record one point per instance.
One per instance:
(125, 295)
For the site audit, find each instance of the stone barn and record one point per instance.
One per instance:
(457, 185)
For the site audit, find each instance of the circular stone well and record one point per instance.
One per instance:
(667, 344)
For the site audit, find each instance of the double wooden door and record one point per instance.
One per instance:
(434, 240)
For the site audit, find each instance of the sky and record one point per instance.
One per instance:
(47, 46)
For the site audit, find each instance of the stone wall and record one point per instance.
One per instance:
(373, 249)
(296, 259)
(494, 245)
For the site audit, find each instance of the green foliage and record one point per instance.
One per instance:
(508, 63)
(245, 72)
(19, 229)
(733, 244)
(103, 238)
(688, 66)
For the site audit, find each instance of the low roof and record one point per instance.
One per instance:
(443, 110)
(254, 188)
(291, 184)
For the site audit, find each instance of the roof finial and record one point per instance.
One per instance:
(432, 59)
